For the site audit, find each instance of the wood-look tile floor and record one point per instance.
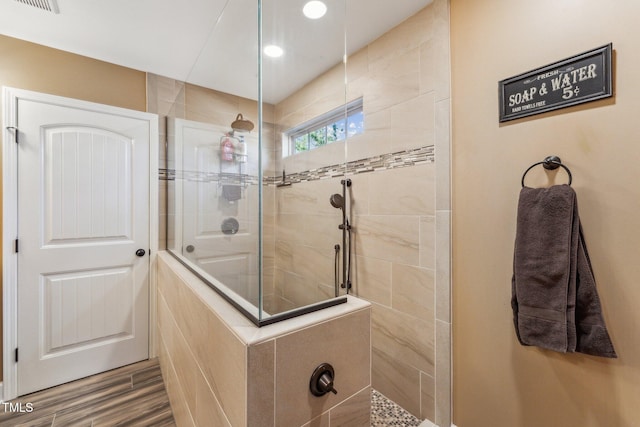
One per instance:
(133, 395)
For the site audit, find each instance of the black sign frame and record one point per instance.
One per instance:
(582, 78)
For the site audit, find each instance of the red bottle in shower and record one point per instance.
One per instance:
(227, 149)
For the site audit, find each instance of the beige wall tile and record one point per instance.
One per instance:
(406, 339)
(443, 265)
(261, 385)
(284, 255)
(428, 242)
(165, 321)
(309, 197)
(184, 365)
(441, 35)
(428, 66)
(311, 230)
(301, 290)
(374, 141)
(222, 358)
(372, 279)
(218, 352)
(354, 412)
(443, 373)
(413, 123)
(358, 195)
(327, 155)
(403, 191)
(388, 237)
(396, 380)
(406, 36)
(298, 354)
(392, 82)
(443, 155)
(357, 65)
(413, 290)
(315, 264)
(208, 411)
(210, 106)
(177, 399)
(427, 397)
(321, 421)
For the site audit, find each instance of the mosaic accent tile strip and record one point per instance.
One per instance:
(396, 160)
(199, 176)
(386, 413)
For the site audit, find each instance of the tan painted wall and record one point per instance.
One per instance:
(497, 382)
(42, 69)
(39, 68)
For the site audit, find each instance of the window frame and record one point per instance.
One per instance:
(342, 113)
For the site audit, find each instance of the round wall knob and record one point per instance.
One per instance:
(321, 381)
(140, 252)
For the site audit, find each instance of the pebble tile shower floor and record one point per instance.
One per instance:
(386, 413)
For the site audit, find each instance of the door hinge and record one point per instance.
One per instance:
(16, 354)
(15, 132)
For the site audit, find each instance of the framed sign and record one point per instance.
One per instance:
(581, 78)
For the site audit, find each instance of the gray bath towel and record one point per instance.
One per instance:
(554, 298)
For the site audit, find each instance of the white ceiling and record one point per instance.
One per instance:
(211, 43)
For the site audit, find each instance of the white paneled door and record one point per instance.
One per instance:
(83, 239)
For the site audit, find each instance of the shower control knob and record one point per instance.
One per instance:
(325, 383)
(322, 380)
(140, 252)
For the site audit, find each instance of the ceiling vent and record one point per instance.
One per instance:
(46, 5)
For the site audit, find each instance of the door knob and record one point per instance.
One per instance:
(140, 252)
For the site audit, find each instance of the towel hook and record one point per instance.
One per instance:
(549, 163)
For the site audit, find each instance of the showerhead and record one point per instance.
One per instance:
(241, 124)
(337, 201)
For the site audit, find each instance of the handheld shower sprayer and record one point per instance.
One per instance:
(337, 201)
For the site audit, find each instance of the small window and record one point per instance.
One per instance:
(330, 127)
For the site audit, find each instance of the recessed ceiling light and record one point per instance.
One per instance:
(273, 51)
(314, 9)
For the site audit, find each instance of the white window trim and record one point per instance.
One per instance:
(342, 112)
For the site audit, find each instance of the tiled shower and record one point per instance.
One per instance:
(399, 199)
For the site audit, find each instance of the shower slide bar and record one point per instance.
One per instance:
(339, 201)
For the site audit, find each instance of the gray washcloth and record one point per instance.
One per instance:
(232, 192)
(554, 298)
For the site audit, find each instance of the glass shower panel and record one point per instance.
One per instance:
(213, 149)
(217, 193)
(246, 213)
(304, 154)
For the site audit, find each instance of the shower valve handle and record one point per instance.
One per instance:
(321, 381)
(325, 383)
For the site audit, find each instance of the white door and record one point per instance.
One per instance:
(216, 198)
(83, 212)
